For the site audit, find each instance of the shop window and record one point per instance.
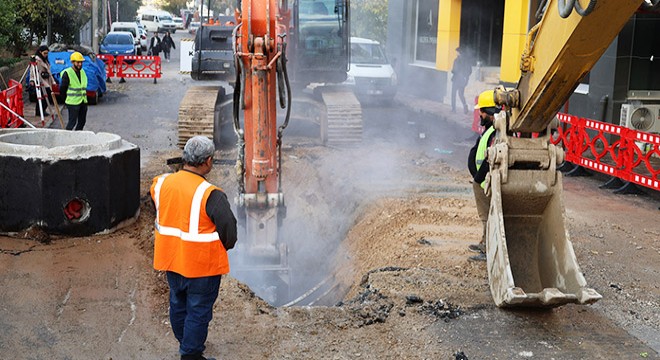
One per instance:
(426, 32)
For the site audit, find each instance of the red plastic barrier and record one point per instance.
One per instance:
(630, 157)
(476, 126)
(12, 97)
(109, 61)
(138, 67)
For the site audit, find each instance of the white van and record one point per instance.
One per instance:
(157, 21)
(130, 27)
(370, 73)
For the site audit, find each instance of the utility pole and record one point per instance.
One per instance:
(49, 26)
(95, 26)
(104, 12)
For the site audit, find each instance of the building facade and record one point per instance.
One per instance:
(423, 36)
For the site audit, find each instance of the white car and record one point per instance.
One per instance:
(370, 72)
(143, 38)
(178, 21)
(192, 29)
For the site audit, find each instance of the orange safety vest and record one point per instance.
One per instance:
(186, 239)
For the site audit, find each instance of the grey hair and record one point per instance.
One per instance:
(197, 150)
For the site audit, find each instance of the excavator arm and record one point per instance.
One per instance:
(530, 257)
(260, 60)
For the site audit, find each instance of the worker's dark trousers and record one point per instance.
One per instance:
(483, 206)
(460, 90)
(77, 116)
(191, 310)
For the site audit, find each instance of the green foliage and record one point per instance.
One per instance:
(127, 9)
(369, 19)
(217, 6)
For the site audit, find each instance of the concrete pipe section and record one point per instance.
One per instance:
(67, 182)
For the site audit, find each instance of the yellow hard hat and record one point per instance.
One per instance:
(76, 56)
(486, 99)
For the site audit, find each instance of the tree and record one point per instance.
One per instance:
(369, 19)
(12, 37)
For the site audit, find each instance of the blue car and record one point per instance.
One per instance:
(94, 68)
(118, 43)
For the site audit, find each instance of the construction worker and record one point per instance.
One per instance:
(73, 86)
(479, 167)
(194, 229)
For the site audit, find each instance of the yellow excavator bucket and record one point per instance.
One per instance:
(530, 258)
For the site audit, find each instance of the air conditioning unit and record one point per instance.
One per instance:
(641, 117)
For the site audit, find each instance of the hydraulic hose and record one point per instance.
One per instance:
(587, 10)
(240, 135)
(566, 7)
(280, 130)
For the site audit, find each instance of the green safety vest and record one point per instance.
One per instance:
(76, 94)
(482, 149)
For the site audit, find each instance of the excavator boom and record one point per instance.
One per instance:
(560, 52)
(530, 257)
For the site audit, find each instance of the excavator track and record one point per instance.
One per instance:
(197, 112)
(342, 123)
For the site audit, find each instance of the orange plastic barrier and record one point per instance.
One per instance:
(629, 157)
(12, 97)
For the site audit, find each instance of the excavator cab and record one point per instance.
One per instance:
(321, 35)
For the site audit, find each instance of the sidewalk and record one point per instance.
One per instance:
(436, 109)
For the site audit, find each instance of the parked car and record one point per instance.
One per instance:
(370, 72)
(192, 28)
(118, 43)
(143, 39)
(179, 22)
(131, 27)
(59, 58)
(156, 20)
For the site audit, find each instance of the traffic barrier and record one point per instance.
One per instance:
(109, 61)
(139, 67)
(12, 97)
(632, 156)
(130, 66)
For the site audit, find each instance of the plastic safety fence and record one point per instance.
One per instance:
(12, 97)
(146, 67)
(109, 61)
(618, 151)
(138, 67)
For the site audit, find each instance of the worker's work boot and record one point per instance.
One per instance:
(195, 357)
(480, 257)
(478, 248)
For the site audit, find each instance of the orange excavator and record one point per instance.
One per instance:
(319, 32)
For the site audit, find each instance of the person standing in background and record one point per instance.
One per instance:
(154, 45)
(461, 71)
(166, 44)
(47, 80)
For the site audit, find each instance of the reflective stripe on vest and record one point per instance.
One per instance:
(193, 231)
(480, 156)
(76, 94)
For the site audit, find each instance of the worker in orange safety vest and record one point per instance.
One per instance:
(194, 228)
